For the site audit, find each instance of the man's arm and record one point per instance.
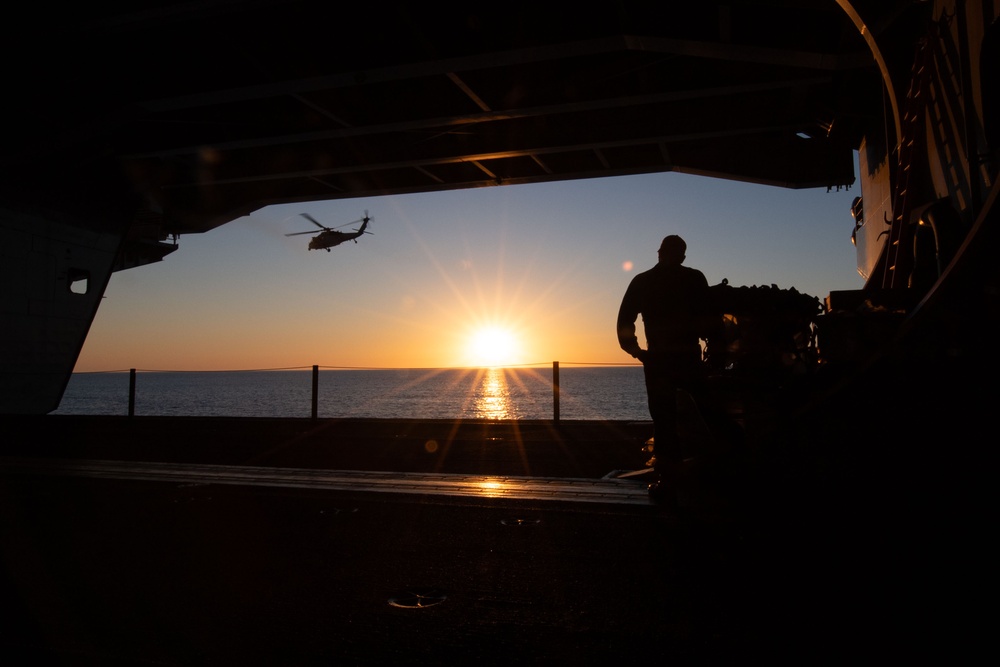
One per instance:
(627, 314)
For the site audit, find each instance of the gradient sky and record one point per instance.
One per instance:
(545, 265)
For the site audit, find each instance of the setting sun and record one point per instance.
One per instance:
(493, 346)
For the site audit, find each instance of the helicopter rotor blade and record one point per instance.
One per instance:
(313, 220)
(299, 233)
(367, 218)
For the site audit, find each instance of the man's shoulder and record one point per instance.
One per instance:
(671, 274)
(694, 273)
(644, 276)
(687, 279)
(678, 270)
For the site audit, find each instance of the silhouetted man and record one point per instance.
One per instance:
(675, 305)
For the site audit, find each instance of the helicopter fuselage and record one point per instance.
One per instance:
(329, 240)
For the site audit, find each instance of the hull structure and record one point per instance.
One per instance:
(928, 167)
(920, 333)
(54, 274)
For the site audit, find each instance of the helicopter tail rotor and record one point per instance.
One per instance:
(364, 222)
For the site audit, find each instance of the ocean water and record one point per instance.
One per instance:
(614, 392)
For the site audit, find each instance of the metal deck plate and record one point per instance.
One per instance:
(606, 490)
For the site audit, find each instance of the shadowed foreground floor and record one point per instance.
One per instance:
(232, 541)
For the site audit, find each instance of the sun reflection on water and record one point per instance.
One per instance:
(492, 396)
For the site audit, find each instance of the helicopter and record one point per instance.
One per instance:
(330, 237)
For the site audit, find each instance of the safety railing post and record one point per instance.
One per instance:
(315, 392)
(131, 392)
(555, 392)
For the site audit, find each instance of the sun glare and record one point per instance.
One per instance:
(493, 346)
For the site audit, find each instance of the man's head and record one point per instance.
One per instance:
(673, 250)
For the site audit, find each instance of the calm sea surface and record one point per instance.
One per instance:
(523, 393)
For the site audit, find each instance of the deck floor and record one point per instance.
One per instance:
(294, 542)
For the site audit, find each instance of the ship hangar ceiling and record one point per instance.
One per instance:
(215, 109)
